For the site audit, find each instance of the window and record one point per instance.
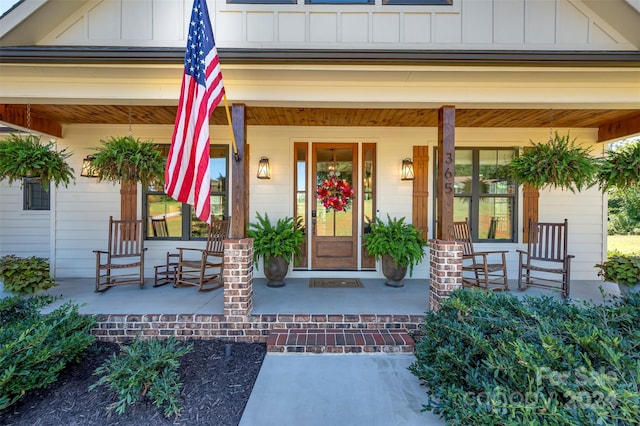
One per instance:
(419, 2)
(393, 2)
(35, 197)
(262, 1)
(484, 193)
(158, 205)
(339, 1)
(300, 207)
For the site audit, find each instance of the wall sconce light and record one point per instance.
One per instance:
(264, 171)
(87, 169)
(407, 170)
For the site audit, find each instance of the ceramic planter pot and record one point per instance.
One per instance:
(275, 270)
(394, 275)
(626, 289)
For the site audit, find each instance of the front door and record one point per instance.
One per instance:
(334, 228)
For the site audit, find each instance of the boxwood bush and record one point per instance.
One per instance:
(490, 358)
(145, 368)
(34, 347)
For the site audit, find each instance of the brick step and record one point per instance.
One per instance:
(339, 340)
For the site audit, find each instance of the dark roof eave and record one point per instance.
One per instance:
(172, 55)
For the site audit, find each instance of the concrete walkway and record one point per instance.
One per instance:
(337, 390)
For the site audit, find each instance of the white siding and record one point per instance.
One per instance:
(23, 233)
(82, 210)
(467, 24)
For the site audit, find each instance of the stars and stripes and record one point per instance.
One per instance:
(187, 176)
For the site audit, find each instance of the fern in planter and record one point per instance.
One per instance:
(26, 156)
(621, 168)
(25, 276)
(124, 158)
(282, 239)
(558, 163)
(402, 241)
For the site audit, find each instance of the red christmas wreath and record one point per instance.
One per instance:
(335, 194)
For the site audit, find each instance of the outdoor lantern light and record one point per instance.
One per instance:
(264, 171)
(87, 169)
(407, 170)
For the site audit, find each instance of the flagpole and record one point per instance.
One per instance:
(233, 138)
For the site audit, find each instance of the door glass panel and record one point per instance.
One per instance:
(300, 170)
(368, 199)
(367, 186)
(334, 162)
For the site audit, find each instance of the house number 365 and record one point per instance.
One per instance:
(448, 175)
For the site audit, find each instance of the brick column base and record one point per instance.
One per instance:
(445, 270)
(238, 279)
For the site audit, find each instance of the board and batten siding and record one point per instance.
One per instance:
(466, 24)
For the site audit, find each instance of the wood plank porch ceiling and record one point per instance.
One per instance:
(626, 121)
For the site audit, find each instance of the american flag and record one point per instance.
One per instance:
(187, 178)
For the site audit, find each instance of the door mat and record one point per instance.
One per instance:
(335, 283)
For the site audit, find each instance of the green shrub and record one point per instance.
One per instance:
(145, 367)
(490, 359)
(25, 275)
(34, 347)
(621, 268)
(621, 224)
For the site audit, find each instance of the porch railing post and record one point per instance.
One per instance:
(238, 279)
(445, 270)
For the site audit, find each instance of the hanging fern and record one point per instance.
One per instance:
(26, 156)
(621, 167)
(558, 163)
(124, 158)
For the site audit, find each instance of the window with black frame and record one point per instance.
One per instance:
(34, 195)
(484, 193)
(169, 219)
(384, 2)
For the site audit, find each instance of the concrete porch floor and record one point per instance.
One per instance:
(295, 297)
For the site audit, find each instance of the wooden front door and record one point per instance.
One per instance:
(334, 234)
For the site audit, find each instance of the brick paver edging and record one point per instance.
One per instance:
(339, 340)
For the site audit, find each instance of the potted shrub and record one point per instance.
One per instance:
(400, 246)
(23, 276)
(557, 163)
(128, 161)
(276, 245)
(26, 156)
(623, 269)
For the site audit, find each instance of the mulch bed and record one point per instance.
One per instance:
(215, 390)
